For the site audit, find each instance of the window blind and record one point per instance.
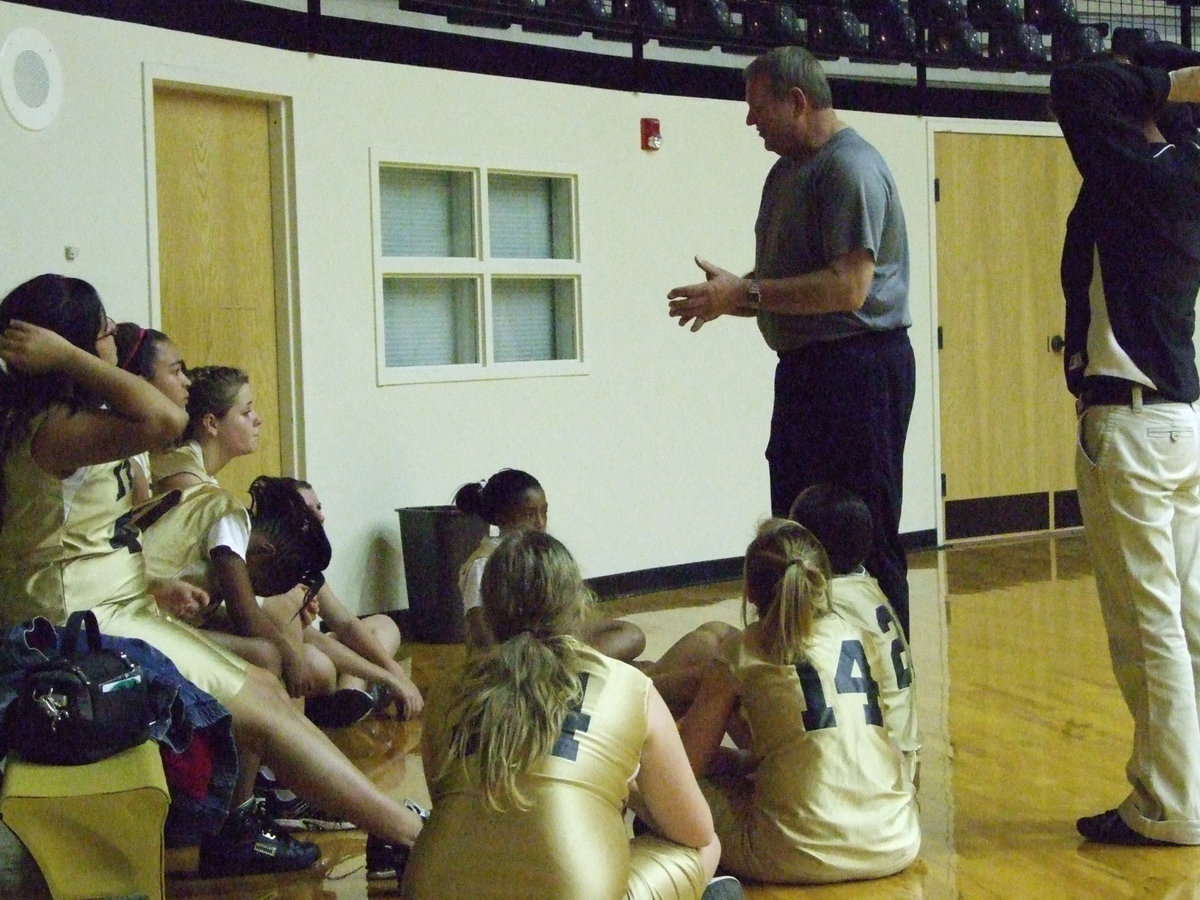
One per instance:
(430, 321)
(425, 212)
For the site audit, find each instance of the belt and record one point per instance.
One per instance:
(1118, 393)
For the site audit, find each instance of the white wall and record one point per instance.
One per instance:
(653, 458)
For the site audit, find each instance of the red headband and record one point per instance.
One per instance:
(137, 345)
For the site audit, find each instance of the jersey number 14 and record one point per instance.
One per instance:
(853, 676)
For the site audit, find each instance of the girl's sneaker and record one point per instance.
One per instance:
(249, 844)
(297, 814)
(341, 708)
(386, 860)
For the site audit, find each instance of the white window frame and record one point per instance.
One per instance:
(481, 267)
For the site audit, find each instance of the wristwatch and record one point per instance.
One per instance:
(754, 294)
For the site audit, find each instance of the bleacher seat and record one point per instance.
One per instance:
(832, 30)
(1071, 43)
(955, 42)
(1017, 45)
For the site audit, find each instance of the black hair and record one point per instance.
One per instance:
(840, 520)
(137, 348)
(296, 484)
(493, 498)
(214, 390)
(71, 308)
(302, 552)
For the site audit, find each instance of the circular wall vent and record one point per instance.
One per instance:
(30, 79)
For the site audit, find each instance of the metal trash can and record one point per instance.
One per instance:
(436, 541)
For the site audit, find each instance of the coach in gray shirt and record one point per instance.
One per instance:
(830, 292)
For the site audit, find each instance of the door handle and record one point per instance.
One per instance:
(1055, 343)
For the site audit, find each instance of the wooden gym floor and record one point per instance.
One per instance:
(1024, 731)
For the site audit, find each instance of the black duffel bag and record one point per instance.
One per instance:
(81, 706)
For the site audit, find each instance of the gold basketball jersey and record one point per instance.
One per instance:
(65, 543)
(572, 844)
(858, 599)
(829, 799)
(175, 545)
(185, 458)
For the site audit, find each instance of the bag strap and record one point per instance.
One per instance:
(70, 639)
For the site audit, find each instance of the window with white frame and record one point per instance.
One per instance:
(478, 273)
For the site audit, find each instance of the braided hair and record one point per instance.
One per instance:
(279, 514)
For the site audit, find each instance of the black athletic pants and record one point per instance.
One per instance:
(841, 416)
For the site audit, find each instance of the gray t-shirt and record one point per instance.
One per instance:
(841, 199)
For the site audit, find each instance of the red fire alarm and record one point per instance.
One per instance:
(651, 135)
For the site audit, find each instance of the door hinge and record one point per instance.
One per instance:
(937, 190)
(939, 336)
(943, 484)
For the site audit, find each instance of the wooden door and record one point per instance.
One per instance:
(216, 248)
(1007, 420)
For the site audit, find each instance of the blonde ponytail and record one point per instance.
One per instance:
(509, 710)
(513, 697)
(787, 579)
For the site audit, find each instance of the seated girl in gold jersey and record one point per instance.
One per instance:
(276, 545)
(70, 419)
(150, 354)
(818, 791)
(223, 424)
(509, 500)
(841, 521)
(530, 750)
(204, 539)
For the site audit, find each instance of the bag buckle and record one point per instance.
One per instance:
(53, 705)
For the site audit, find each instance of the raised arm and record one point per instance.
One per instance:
(138, 416)
(1103, 108)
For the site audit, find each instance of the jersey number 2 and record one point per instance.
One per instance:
(887, 622)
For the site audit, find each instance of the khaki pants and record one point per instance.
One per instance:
(1138, 473)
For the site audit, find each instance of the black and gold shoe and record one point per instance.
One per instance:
(249, 844)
